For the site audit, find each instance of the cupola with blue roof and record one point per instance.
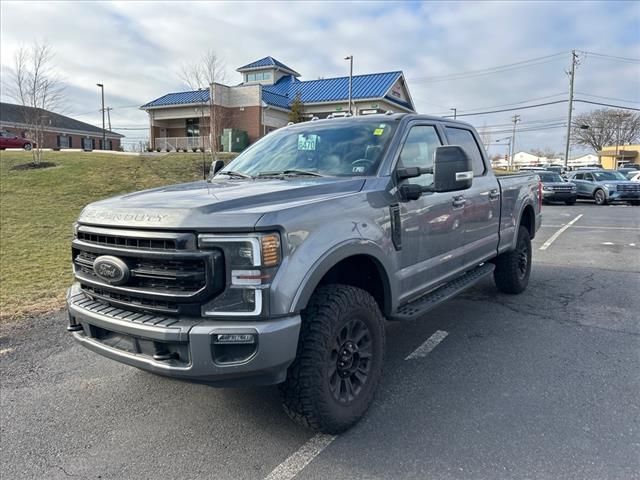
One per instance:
(267, 70)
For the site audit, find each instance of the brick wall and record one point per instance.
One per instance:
(51, 139)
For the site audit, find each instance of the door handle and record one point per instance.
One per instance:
(494, 194)
(458, 201)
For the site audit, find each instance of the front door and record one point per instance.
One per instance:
(481, 215)
(431, 226)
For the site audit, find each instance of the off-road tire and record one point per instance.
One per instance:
(307, 393)
(600, 197)
(513, 268)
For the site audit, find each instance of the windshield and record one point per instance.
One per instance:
(334, 148)
(550, 177)
(603, 176)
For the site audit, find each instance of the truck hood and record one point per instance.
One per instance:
(216, 205)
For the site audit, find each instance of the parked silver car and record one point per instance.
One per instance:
(605, 186)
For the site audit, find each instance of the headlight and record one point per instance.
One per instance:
(251, 261)
(610, 186)
(548, 189)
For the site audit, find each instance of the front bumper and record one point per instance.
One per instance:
(552, 196)
(623, 196)
(186, 348)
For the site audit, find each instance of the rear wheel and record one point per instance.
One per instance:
(600, 197)
(27, 146)
(332, 382)
(513, 268)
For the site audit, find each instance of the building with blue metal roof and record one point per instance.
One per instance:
(262, 102)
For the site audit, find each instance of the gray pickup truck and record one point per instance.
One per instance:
(283, 265)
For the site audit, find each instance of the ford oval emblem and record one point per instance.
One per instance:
(111, 269)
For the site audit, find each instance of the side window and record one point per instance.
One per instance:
(588, 177)
(465, 139)
(418, 151)
(579, 176)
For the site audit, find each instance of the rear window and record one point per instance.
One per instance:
(550, 177)
(465, 139)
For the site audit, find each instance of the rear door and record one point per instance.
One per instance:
(481, 212)
(431, 227)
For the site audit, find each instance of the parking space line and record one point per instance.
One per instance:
(428, 345)
(553, 237)
(301, 457)
(593, 227)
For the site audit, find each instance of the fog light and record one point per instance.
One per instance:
(235, 338)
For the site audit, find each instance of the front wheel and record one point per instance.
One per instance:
(332, 382)
(513, 268)
(600, 197)
(635, 202)
(28, 147)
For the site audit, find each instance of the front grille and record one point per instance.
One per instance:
(127, 242)
(562, 189)
(166, 273)
(187, 275)
(628, 188)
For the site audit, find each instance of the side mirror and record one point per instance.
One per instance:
(452, 169)
(216, 166)
(411, 191)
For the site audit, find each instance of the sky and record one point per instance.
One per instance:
(136, 50)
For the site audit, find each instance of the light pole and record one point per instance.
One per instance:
(455, 112)
(508, 146)
(350, 58)
(104, 136)
(515, 119)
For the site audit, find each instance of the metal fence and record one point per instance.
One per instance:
(182, 143)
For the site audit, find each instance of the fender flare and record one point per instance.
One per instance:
(329, 259)
(524, 207)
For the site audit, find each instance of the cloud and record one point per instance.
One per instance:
(136, 49)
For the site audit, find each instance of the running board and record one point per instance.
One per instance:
(422, 305)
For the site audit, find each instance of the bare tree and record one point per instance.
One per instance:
(38, 89)
(206, 72)
(605, 127)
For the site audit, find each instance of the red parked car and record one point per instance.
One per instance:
(11, 140)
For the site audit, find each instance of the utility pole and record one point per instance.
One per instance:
(455, 112)
(104, 133)
(515, 119)
(572, 75)
(350, 58)
(108, 109)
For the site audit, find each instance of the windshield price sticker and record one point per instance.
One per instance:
(380, 130)
(307, 143)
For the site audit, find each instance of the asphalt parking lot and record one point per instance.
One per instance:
(544, 385)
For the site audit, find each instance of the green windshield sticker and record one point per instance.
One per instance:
(307, 142)
(378, 131)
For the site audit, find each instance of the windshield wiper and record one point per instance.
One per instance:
(232, 173)
(291, 171)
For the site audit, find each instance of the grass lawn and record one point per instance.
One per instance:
(38, 208)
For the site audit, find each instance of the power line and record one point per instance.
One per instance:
(509, 109)
(469, 110)
(607, 105)
(490, 70)
(607, 98)
(611, 57)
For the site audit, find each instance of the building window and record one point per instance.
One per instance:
(193, 127)
(256, 77)
(63, 141)
(87, 144)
